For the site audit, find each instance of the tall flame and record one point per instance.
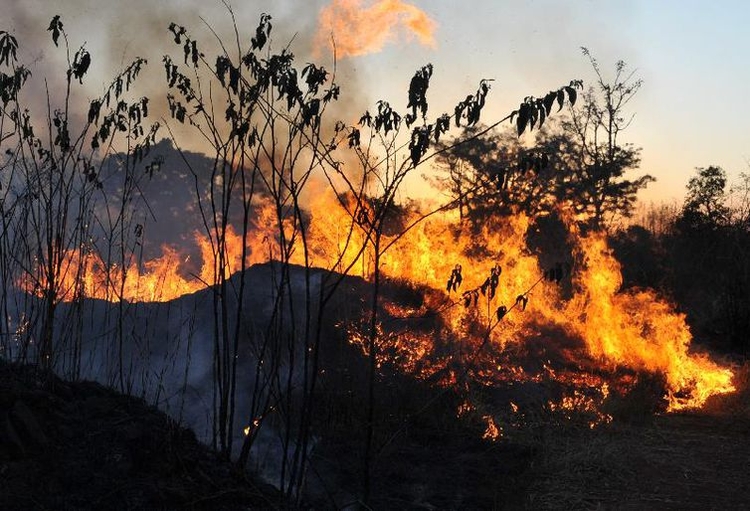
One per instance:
(613, 328)
(638, 330)
(358, 29)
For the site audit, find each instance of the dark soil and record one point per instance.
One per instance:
(80, 446)
(678, 462)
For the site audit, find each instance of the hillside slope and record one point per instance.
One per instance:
(80, 446)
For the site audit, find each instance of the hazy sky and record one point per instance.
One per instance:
(693, 109)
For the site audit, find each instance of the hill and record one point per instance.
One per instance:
(81, 446)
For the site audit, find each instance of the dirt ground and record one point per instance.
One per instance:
(690, 461)
(80, 446)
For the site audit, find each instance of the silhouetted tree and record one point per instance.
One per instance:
(595, 160)
(578, 160)
(705, 202)
(497, 175)
(385, 161)
(54, 158)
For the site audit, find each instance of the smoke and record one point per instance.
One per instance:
(359, 30)
(118, 32)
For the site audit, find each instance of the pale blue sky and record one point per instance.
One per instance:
(693, 109)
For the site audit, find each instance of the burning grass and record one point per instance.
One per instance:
(508, 314)
(432, 454)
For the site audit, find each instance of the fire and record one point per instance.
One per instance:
(86, 274)
(357, 29)
(593, 328)
(633, 329)
(493, 432)
(638, 330)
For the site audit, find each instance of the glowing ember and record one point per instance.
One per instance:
(357, 29)
(464, 408)
(580, 404)
(493, 432)
(247, 429)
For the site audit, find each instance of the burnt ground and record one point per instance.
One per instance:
(70, 446)
(677, 461)
(81, 446)
(686, 461)
(680, 462)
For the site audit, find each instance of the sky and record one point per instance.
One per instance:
(692, 110)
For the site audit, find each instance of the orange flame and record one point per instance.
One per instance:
(493, 432)
(358, 30)
(631, 329)
(638, 330)
(609, 328)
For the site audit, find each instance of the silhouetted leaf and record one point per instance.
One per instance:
(353, 138)
(458, 112)
(81, 63)
(523, 118)
(314, 77)
(366, 119)
(454, 282)
(222, 66)
(332, 94)
(549, 100)
(572, 95)
(8, 48)
(521, 301)
(194, 53)
(442, 125)
(420, 141)
(94, 110)
(262, 32)
(234, 78)
(178, 32)
(420, 82)
(501, 312)
(533, 115)
(55, 26)
(311, 112)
